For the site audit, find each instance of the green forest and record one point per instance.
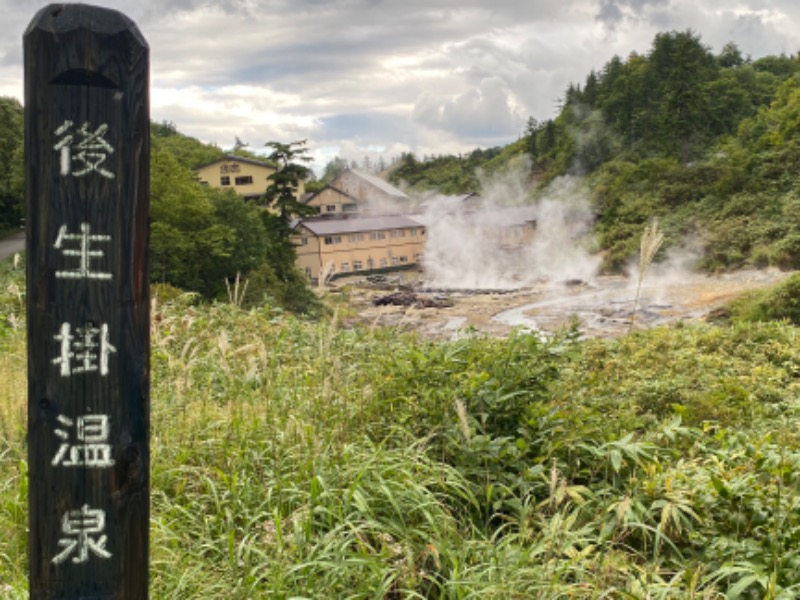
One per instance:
(300, 454)
(703, 142)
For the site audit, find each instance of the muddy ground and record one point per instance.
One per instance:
(603, 306)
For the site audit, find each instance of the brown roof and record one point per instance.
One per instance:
(236, 158)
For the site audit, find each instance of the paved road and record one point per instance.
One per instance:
(12, 244)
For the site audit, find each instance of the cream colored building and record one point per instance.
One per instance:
(329, 246)
(247, 177)
(354, 232)
(354, 191)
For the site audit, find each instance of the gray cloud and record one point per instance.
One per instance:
(483, 112)
(380, 76)
(612, 12)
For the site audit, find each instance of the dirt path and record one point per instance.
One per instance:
(12, 244)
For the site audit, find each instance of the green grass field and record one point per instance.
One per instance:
(300, 459)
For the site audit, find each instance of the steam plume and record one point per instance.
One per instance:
(489, 245)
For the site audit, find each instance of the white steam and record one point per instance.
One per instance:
(504, 240)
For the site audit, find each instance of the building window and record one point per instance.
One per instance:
(370, 263)
(398, 233)
(403, 259)
(377, 235)
(345, 267)
(357, 265)
(330, 208)
(384, 262)
(308, 272)
(244, 180)
(349, 208)
(304, 241)
(413, 233)
(355, 237)
(225, 180)
(395, 260)
(333, 239)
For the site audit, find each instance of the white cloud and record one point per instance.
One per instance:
(429, 76)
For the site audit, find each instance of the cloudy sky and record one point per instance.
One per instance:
(379, 77)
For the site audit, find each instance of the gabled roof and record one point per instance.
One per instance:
(379, 183)
(373, 180)
(309, 197)
(237, 158)
(328, 226)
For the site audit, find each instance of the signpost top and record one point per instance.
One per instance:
(94, 33)
(61, 18)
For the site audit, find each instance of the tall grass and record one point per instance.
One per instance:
(302, 459)
(651, 241)
(13, 394)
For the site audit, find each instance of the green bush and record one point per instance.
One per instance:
(781, 302)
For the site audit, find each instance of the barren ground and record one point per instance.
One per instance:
(603, 305)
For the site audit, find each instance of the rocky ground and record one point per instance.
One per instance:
(603, 306)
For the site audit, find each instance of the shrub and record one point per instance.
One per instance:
(781, 302)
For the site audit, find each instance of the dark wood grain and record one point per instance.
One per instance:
(86, 90)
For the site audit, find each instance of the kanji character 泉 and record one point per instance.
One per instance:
(81, 528)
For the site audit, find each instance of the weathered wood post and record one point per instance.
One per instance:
(87, 176)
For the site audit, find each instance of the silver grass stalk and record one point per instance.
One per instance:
(461, 411)
(652, 238)
(235, 294)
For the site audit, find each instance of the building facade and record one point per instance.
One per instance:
(332, 246)
(247, 177)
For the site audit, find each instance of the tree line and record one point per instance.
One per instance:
(200, 237)
(704, 142)
(204, 238)
(12, 186)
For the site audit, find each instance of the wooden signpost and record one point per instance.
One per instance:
(87, 186)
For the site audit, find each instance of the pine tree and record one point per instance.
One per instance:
(281, 197)
(281, 194)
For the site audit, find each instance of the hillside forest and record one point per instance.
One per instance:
(298, 453)
(705, 143)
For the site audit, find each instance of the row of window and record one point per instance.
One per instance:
(359, 237)
(348, 208)
(370, 264)
(383, 262)
(243, 180)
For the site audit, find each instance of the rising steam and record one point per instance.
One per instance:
(488, 244)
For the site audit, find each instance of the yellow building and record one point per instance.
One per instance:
(328, 246)
(354, 191)
(247, 177)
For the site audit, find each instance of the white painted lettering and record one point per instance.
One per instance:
(84, 253)
(90, 150)
(81, 529)
(85, 351)
(92, 448)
